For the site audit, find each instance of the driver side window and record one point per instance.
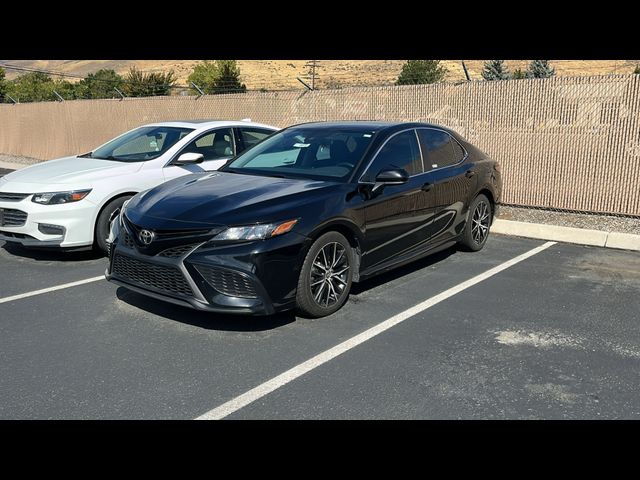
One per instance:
(213, 145)
(401, 151)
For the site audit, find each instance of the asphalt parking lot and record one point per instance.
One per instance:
(556, 335)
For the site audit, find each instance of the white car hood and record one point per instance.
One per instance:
(68, 172)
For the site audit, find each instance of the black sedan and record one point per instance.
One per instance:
(293, 221)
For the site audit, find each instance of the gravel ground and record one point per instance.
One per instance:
(19, 159)
(607, 223)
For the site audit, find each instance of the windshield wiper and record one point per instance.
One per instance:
(86, 155)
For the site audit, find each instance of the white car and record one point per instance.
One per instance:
(69, 202)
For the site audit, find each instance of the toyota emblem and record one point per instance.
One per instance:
(146, 237)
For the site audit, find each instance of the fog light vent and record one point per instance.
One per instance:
(50, 229)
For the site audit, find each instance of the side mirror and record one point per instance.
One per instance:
(396, 176)
(189, 159)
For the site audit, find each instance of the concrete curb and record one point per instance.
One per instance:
(598, 238)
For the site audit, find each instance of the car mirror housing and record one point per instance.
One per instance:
(189, 158)
(396, 176)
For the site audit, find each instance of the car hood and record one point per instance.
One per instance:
(72, 172)
(222, 198)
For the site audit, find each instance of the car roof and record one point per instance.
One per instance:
(367, 125)
(202, 124)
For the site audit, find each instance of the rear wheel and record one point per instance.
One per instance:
(103, 224)
(476, 231)
(326, 275)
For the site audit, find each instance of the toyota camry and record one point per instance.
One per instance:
(295, 220)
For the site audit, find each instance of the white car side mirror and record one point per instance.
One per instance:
(189, 158)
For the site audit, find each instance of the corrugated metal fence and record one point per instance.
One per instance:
(564, 143)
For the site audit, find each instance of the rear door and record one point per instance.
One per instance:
(449, 182)
(247, 137)
(391, 224)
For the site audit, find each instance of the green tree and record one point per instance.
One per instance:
(3, 86)
(421, 71)
(518, 74)
(32, 87)
(495, 70)
(67, 90)
(204, 75)
(637, 69)
(101, 84)
(140, 84)
(228, 79)
(540, 69)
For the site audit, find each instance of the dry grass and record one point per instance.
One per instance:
(280, 74)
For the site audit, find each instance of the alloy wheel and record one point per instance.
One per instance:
(480, 222)
(329, 274)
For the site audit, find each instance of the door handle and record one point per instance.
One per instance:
(426, 187)
(469, 173)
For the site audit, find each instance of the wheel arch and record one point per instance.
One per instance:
(104, 205)
(350, 231)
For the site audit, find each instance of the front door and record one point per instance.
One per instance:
(391, 224)
(217, 146)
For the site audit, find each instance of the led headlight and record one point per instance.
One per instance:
(255, 232)
(56, 198)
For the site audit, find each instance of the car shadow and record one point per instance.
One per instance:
(207, 320)
(396, 273)
(51, 255)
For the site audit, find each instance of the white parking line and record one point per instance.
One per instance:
(269, 386)
(50, 289)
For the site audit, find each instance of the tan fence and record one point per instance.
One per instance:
(565, 143)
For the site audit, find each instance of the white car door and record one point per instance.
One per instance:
(217, 146)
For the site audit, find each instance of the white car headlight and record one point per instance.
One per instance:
(56, 198)
(255, 232)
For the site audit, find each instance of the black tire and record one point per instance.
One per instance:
(479, 218)
(337, 284)
(103, 222)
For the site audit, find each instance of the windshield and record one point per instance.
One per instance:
(314, 153)
(141, 144)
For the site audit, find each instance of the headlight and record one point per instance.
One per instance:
(56, 198)
(255, 232)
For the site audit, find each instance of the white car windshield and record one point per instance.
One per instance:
(141, 144)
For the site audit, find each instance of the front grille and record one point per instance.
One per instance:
(228, 282)
(21, 236)
(177, 252)
(160, 277)
(12, 218)
(127, 239)
(13, 197)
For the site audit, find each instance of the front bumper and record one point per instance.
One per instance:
(252, 278)
(75, 221)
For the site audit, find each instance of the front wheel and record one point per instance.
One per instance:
(103, 224)
(476, 231)
(325, 277)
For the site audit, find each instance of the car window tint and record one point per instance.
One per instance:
(213, 145)
(252, 136)
(437, 148)
(458, 151)
(401, 151)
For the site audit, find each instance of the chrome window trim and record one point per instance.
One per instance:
(198, 137)
(375, 155)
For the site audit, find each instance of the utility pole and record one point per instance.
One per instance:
(312, 66)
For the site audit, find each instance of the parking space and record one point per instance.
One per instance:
(555, 335)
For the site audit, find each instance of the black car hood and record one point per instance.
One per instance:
(222, 198)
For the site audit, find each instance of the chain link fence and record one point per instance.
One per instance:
(569, 144)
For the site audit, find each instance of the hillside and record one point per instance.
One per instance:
(281, 74)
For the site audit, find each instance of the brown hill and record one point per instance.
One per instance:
(281, 74)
